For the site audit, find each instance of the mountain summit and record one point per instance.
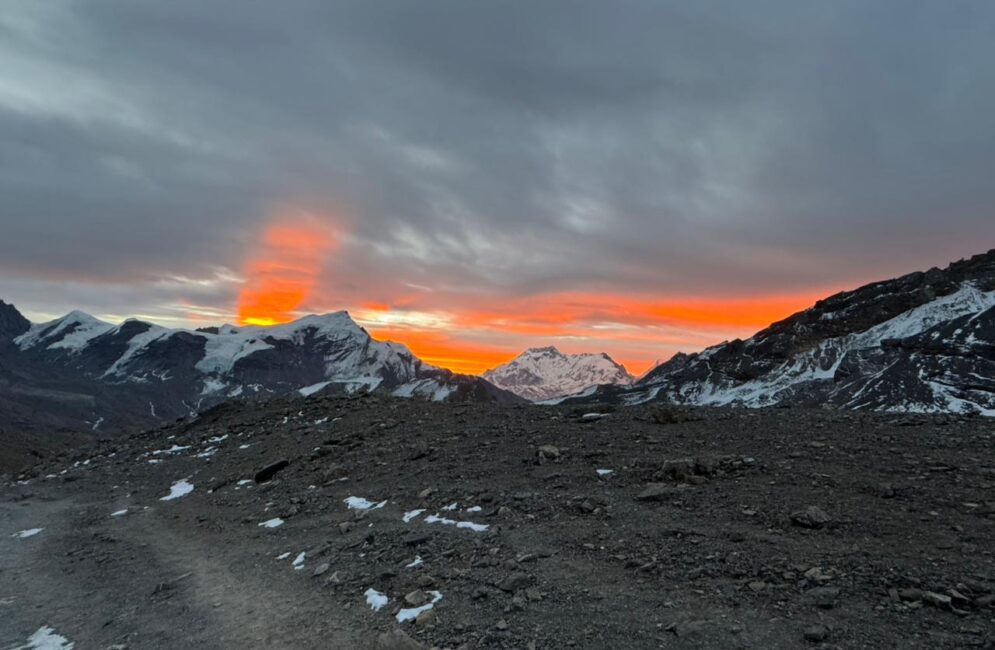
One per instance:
(546, 373)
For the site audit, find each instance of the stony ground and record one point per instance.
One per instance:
(527, 527)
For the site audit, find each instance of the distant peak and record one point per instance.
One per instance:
(549, 349)
(77, 316)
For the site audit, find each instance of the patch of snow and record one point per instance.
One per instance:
(474, 509)
(436, 519)
(411, 613)
(46, 639)
(307, 391)
(283, 556)
(451, 506)
(375, 599)
(359, 503)
(411, 514)
(179, 489)
(605, 472)
(299, 561)
(119, 513)
(272, 523)
(415, 562)
(31, 532)
(97, 424)
(175, 449)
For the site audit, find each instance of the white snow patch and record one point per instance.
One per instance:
(46, 639)
(31, 532)
(436, 519)
(411, 514)
(179, 489)
(119, 513)
(175, 449)
(412, 613)
(415, 562)
(307, 391)
(605, 472)
(474, 509)
(375, 599)
(299, 561)
(272, 523)
(283, 556)
(359, 503)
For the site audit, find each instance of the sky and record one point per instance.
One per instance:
(474, 178)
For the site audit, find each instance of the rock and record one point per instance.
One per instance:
(426, 493)
(985, 601)
(592, 417)
(811, 517)
(321, 569)
(548, 452)
(514, 582)
(501, 625)
(937, 600)
(816, 633)
(425, 617)
(678, 470)
(823, 597)
(910, 594)
(397, 640)
(656, 492)
(416, 598)
(757, 586)
(268, 472)
(346, 526)
(425, 581)
(415, 539)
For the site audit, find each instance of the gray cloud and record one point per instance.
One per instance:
(501, 147)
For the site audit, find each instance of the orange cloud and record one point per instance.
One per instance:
(282, 270)
(635, 330)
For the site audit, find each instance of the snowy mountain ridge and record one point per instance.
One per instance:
(156, 374)
(540, 374)
(921, 343)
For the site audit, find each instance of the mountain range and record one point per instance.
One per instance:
(78, 372)
(540, 374)
(920, 343)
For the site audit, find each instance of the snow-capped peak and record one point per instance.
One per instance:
(70, 332)
(544, 373)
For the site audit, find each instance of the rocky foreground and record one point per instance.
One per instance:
(372, 522)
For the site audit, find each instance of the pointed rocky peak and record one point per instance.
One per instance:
(12, 322)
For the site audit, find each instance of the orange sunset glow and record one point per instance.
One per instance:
(630, 329)
(281, 272)
(470, 333)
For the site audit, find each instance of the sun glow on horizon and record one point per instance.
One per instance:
(283, 268)
(470, 333)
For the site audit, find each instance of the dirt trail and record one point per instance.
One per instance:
(137, 580)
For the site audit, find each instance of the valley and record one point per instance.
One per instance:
(509, 526)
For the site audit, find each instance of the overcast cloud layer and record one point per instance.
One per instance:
(490, 150)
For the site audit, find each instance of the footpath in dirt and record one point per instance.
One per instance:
(366, 522)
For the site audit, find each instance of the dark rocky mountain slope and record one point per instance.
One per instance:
(924, 342)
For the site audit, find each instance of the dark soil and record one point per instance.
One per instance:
(717, 529)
